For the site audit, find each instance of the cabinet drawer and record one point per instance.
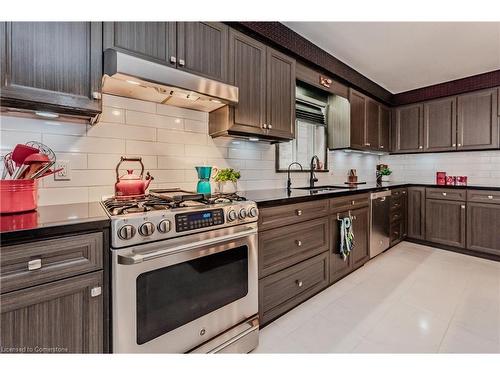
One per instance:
(284, 290)
(483, 196)
(448, 194)
(396, 193)
(396, 203)
(273, 217)
(396, 216)
(49, 260)
(282, 247)
(349, 202)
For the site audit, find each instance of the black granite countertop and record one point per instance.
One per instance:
(275, 197)
(50, 220)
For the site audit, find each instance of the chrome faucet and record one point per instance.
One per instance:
(289, 181)
(312, 176)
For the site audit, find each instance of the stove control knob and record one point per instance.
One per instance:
(252, 212)
(242, 214)
(231, 215)
(126, 232)
(147, 229)
(164, 226)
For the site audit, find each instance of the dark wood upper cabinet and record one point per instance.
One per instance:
(372, 125)
(384, 128)
(445, 222)
(416, 213)
(440, 125)
(280, 95)
(266, 82)
(51, 66)
(483, 220)
(153, 41)
(202, 49)
(247, 71)
(62, 316)
(477, 120)
(358, 119)
(407, 129)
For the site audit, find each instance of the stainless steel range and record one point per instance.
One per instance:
(184, 273)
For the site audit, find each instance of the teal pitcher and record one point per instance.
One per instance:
(203, 186)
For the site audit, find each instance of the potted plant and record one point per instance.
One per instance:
(385, 173)
(227, 180)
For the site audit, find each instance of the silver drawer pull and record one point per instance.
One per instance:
(182, 62)
(298, 212)
(298, 243)
(96, 95)
(299, 283)
(353, 203)
(95, 291)
(173, 59)
(34, 264)
(490, 196)
(444, 194)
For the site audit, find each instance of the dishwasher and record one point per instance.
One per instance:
(380, 222)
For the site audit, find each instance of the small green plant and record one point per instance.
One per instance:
(385, 172)
(227, 174)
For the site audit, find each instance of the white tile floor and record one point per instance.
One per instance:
(410, 299)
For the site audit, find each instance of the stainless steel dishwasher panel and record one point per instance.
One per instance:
(380, 222)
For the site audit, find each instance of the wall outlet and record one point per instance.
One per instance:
(65, 174)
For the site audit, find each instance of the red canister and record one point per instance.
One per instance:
(450, 180)
(18, 196)
(441, 178)
(461, 180)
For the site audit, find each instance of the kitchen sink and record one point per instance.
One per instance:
(322, 188)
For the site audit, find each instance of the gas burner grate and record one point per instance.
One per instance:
(134, 205)
(225, 198)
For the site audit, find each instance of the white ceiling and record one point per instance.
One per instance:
(402, 56)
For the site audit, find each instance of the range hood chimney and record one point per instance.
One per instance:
(133, 77)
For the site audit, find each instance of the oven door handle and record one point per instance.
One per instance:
(134, 258)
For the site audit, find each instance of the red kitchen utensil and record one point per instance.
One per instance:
(35, 162)
(18, 196)
(49, 172)
(21, 152)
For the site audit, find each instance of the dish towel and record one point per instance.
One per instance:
(346, 236)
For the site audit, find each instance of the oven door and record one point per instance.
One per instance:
(173, 295)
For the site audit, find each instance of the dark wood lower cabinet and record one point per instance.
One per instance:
(416, 213)
(284, 290)
(445, 222)
(58, 317)
(483, 224)
(360, 254)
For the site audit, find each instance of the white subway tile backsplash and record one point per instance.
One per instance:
(154, 148)
(69, 143)
(172, 141)
(111, 130)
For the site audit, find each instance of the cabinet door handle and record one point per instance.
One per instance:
(490, 196)
(298, 243)
(381, 146)
(454, 145)
(298, 212)
(264, 126)
(353, 203)
(459, 145)
(269, 126)
(182, 62)
(396, 233)
(354, 217)
(34, 264)
(97, 95)
(299, 283)
(367, 144)
(462, 206)
(404, 192)
(173, 59)
(420, 147)
(95, 291)
(444, 194)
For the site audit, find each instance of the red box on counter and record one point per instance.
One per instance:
(441, 178)
(450, 180)
(461, 180)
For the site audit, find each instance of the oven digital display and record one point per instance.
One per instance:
(197, 220)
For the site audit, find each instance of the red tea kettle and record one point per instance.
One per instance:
(131, 185)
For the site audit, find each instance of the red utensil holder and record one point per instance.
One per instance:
(18, 196)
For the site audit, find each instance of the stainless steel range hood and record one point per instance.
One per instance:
(133, 77)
